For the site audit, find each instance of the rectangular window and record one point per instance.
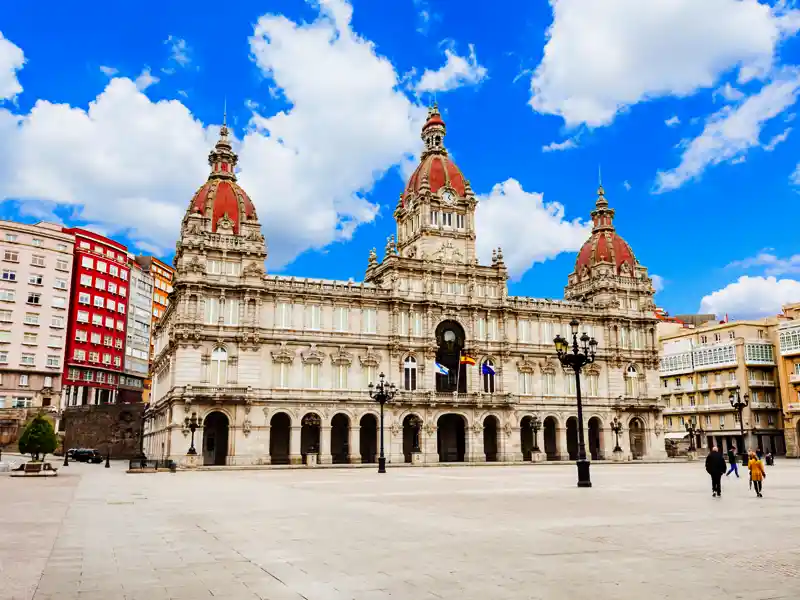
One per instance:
(37, 260)
(108, 340)
(447, 219)
(435, 217)
(570, 380)
(29, 338)
(28, 359)
(59, 302)
(62, 264)
(110, 304)
(112, 287)
(282, 375)
(53, 361)
(593, 382)
(80, 335)
(83, 316)
(34, 298)
(491, 331)
(417, 324)
(547, 333)
(314, 317)
(11, 256)
(95, 338)
(98, 301)
(232, 311)
(370, 321)
(212, 311)
(35, 279)
(340, 377)
(87, 262)
(106, 359)
(548, 383)
(6, 316)
(9, 275)
(99, 284)
(341, 318)
(84, 298)
(101, 266)
(97, 319)
(11, 237)
(120, 307)
(722, 421)
(60, 284)
(482, 329)
(123, 275)
(526, 383)
(5, 338)
(23, 380)
(7, 295)
(524, 331)
(94, 357)
(120, 325)
(459, 221)
(3, 357)
(283, 316)
(312, 375)
(37, 242)
(113, 270)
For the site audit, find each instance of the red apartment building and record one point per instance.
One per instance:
(98, 313)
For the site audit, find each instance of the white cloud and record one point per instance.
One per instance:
(457, 71)
(145, 79)
(179, 50)
(308, 168)
(729, 93)
(626, 184)
(424, 16)
(508, 214)
(730, 132)
(770, 263)
(777, 139)
(752, 297)
(108, 71)
(129, 164)
(11, 60)
(603, 56)
(567, 144)
(658, 282)
(672, 121)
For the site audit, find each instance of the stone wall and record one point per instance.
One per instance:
(114, 427)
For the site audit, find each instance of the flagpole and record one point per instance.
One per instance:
(458, 373)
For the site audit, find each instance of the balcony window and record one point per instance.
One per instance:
(410, 373)
(219, 366)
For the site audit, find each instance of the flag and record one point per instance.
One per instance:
(467, 360)
(441, 369)
(487, 369)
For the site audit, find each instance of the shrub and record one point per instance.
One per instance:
(39, 438)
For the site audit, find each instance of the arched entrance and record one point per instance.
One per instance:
(309, 436)
(280, 431)
(450, 340)
(636, 429)
(215, 439)
(490, 429)
(412, 436)
(340, 439)
(572, 438)
(526, 437)
(450, 438)
(368, 438)
(595, 439)
(550, 439)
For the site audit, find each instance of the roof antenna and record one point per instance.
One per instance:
(600, 174)
(225, 112)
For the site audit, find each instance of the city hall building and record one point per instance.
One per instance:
(274, 369)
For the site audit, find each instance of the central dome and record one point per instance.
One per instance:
(605, 245)
(436, 170)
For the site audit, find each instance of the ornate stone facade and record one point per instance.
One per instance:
(276, 368)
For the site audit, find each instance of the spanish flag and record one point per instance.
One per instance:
(467, 360)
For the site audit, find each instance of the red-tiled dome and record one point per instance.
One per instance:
(435, 166)
(605, 245)
(221, 196)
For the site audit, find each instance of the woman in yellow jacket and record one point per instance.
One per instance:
(757, 472)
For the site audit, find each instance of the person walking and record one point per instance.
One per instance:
(732, 460)
(715, 466)
(757, 473)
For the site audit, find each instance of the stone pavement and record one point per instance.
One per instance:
(643, 531)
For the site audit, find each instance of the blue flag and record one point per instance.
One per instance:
(441, 369)
(486, 369)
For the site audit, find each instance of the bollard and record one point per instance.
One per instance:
(66, 459)
(108, 459)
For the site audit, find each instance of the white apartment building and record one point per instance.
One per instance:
(137, 340)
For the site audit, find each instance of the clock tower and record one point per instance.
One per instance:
(436, 212)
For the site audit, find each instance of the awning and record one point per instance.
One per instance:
(675, 436)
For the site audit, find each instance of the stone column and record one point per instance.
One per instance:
(355, 445)
(510, 449)
(92, 395)
(428, 444)
(295, 457)
(325, 457)
(266, 457)
(561, 443)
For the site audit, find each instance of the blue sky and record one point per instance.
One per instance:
(688, 107)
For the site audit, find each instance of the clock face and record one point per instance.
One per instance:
(448, 197)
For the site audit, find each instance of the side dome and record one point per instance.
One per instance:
(221, 199)
(436, 170)
(605, 245)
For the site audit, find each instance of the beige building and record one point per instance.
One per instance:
(275, 369)
(787, 339)
(36, 270)
(703, 366)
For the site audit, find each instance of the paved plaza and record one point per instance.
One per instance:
(484, 533)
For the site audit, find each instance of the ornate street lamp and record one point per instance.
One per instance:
(739, 404)
(616, 427)
(536, 424)
(691, 429)
(382, 393)
(577, 357)
(192, 424)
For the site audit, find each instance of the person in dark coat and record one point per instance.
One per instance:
(715, 466)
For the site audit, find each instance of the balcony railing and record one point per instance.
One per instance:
(794, 377)
(794, 407)
(764, 405)
(761, 383)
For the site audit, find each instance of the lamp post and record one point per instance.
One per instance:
(536, 424)
(577, 357)
(739, 403)
(616, 427)
(691, 429)
(382, 393)
(142, 455)
(192, 424)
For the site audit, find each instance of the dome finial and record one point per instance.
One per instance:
(433, 132)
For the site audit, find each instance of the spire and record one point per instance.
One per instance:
(433, 132)
(602, 215)
(222, 158)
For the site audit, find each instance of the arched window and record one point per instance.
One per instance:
(219, 367)
(410, 373)
(488, 376)
(632, 381)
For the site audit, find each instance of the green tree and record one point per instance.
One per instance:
(38, 439)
